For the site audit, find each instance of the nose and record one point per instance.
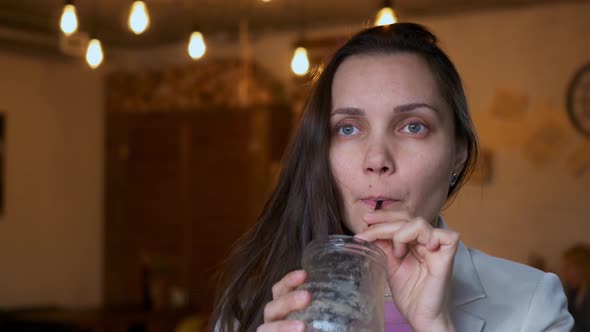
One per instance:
(378, 159)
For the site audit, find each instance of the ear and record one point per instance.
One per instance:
(460, 154)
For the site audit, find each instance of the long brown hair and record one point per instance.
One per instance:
(306, 203)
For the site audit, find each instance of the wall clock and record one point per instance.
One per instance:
(578, 100)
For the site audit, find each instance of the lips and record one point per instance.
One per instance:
(371, 202)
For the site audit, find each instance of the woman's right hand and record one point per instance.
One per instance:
(286, 299)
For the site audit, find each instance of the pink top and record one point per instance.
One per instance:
(394, 321)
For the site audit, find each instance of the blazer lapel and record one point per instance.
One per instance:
(466, 288)
(465, 321)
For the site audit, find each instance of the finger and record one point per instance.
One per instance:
(443, 238)
(393, 261)
(289, 282)
(386, 246)
(417, 230)
(439, 252)
(381, 231)
(381, 216)
(408, 233)
(284, 325)
(431, 241)
(400, 249)
(279, 308)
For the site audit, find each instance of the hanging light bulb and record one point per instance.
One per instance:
(69, 20)
(139, 19)
(300, 62)
(196, 45)
(94, 55)
(386, 15)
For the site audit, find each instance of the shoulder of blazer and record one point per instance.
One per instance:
(519, 295)
(488, 266)
(504, 279)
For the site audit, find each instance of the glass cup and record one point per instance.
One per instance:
(346, 279)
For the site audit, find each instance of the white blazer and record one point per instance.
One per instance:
(493, 294)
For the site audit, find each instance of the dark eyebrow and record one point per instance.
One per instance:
(398, 109)
(349, 111)
(413, 106)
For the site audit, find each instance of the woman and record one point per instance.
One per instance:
(386, 125)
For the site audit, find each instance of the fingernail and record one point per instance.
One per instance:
(297, 275)
(296, 326)
(301, 296)
(359, 236)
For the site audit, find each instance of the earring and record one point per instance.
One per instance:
(454, 178)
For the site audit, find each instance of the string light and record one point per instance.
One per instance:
(139, 19)
(386, 14)
(300, 62)
(196, 45)
(94, 55)
(69, 20)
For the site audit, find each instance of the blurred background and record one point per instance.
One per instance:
(130, 162)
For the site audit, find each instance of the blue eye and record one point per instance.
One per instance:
(414, 128)
(347, 130)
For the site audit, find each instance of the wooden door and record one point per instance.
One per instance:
(180, 189)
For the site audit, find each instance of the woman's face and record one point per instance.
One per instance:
(392, 137)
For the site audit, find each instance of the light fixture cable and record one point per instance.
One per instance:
(386, 15)
(94, 52)
(300, 60)
(68, 21)
(196, 45)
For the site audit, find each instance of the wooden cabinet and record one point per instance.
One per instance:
(181, 187)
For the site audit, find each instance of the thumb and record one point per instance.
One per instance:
(392, 261)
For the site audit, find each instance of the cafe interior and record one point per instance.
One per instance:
(140, 139)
